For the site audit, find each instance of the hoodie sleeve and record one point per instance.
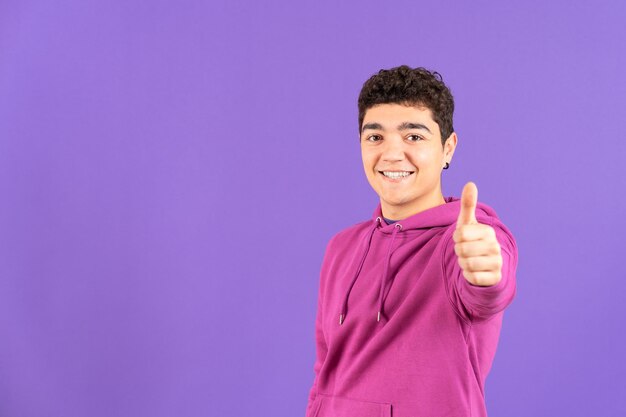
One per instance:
(320, 340)
(472, 302)
(320, 348)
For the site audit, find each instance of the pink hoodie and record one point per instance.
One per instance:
(433, 347)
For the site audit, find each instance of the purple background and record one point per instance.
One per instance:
(170, 174)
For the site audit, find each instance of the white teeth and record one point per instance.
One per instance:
(396, 174)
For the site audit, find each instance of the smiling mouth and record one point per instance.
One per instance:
(397, 178)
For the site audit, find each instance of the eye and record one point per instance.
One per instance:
(372, 136)
(416, 136)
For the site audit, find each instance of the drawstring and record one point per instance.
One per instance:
(383, 279)
(342, 314)
(398, 226)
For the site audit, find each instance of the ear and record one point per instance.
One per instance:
(449, 146)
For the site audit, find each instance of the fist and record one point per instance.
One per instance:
(475, 244)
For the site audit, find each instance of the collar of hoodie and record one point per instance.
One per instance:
(397, 226)
(439, 216)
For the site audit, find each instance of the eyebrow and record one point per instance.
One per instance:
(401, 126)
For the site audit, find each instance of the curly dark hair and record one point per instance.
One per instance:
(410, 87)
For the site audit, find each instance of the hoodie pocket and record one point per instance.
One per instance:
(335, 406)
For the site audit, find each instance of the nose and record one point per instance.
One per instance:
(393, 149)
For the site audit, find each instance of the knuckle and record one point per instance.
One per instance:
(478, 280)
(496, 247)
(471, 264)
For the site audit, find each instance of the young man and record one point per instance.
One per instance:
(410, 302)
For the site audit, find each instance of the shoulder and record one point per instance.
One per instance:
(347, 236)
(487, 215)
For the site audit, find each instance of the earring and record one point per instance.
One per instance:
(447, 166)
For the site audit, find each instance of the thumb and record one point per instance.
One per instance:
(469, 197)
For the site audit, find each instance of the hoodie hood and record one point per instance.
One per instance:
(443, 215)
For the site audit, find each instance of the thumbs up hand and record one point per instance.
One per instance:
(476, 246)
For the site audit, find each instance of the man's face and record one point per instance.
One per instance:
(400, 138)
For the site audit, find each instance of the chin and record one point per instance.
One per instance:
(397, 200)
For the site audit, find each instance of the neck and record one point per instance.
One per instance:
(397, 212)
